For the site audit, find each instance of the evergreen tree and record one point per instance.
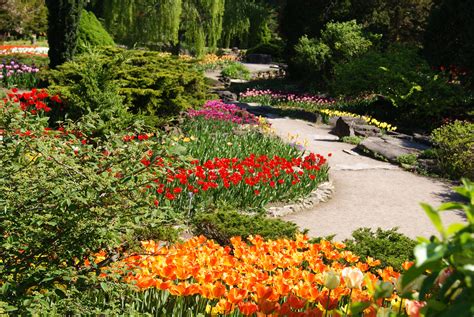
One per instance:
(63, 23)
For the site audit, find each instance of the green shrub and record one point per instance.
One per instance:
(91, 33)
(236, 70)
(222, 225)
(93, 97)
(62, 200)
(339, 42)
(389, 246)
(407, 159)
(414, 94)
(152, 84)
(455, 148)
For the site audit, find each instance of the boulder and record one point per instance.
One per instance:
(259, 58)
(227, 96)
(390, 148)
(349, 126)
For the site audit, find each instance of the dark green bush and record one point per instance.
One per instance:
(273, 48)
(222, 225)
(152, 84)
(414, 94)
(389, 246)
(92, 33)
(455, 149)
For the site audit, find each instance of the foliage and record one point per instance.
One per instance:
(273, 48)
(449, 37)
(389, 246)
(416, 95)
(222, 225)
(454, 148)
(63, 23)
(93, 97)
(355, 140)
(23, 17)
(236, 70)
(339, 43)
(443, 267)
(91, 33)
(397, 21)
(65, 196)
(407, 159)
(152, 84)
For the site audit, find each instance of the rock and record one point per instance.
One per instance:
(390, 147)
(227, 96)
(366, 130)
(424, 139)
(259, 58)
(345, 126)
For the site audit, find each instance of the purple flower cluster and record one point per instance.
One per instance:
(12, 68)
(218, 110)
(274, 98)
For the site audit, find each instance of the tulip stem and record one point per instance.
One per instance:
(327, 303)
(348, 303)
(400, 308)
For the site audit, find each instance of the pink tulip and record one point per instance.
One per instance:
(413, 307)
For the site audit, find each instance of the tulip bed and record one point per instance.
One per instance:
(262, 278)
(17, 74)
(323, 106)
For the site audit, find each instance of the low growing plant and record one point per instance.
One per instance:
(389, 246)
(236, 70)
(355, 140)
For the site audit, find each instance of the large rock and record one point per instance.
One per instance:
(391, 147)
(259, 58)
(227, 96)
(349, 126)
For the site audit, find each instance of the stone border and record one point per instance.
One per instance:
(323, 193)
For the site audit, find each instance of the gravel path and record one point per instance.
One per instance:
(368, 193)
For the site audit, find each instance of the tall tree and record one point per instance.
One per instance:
(63, 23)
(449, 39)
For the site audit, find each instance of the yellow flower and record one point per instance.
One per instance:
(186, 140)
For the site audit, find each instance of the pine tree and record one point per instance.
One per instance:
(63, 23)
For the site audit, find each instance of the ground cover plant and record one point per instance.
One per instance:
(236, 70)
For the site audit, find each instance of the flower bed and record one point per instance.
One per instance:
(16, 74)
(277, 278)
(23, 49)
(286, 100)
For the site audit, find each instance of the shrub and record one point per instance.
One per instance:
(389, 246)
(222, 225)
(355, 140)
(414, 94)
(93, 97)
(236, 70)
(339, 42)
(65, 197)
(455, 148)
(273, 48)
(91, 33)
(152, 84)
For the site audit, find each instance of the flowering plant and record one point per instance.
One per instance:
(15, 74)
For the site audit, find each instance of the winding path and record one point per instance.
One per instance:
(368, 193)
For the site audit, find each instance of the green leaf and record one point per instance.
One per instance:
(435, 218)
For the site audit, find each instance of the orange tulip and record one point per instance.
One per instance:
(247, 308)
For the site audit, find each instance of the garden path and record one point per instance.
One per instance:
(368, 192)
